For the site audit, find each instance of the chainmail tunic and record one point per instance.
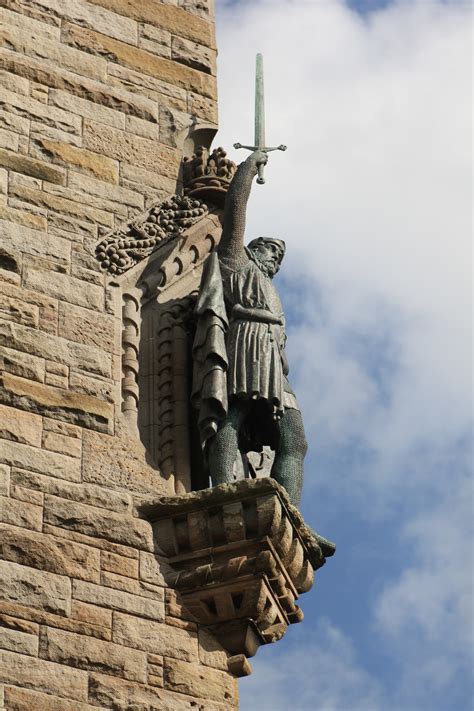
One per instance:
(254, 348)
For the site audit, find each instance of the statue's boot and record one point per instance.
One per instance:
(328, 548)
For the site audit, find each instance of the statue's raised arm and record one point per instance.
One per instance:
(231, 247)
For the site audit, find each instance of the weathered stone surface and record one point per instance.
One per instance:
(152, 569)
(55, 401)
(139, 127)
(112, 208)
(201, 681)
(77, 85)
(100, 543)
(62, 428)
(93, 654)
(94, 521)
(122, 582)
(85, 612)
(193, 55)
(18, 311)
(119, 462)
(155, 39)
(18, 699)
(30, 108)
(4, 480)
(82, 13)
(14, 83)
(154, 637)
(48, 308)
(37, 588)
(172, 123)
(56, 203)
(47, 618)
(202, 107)
(50, 554)
(138, 59)
(34, 242)
(211, 653)
(139, 175)
(20, 426)
(102, 388)
(119, 564)
(11, 142)
(124, 696)
(146, 85)
(13, 123)
(15, 623)
(19, 642)
(37, 222)
(43, 676)
(32, 44)
(20, 513)
(202, 8)
(28, 24)
(67, 155)
(28, 495)
(23, 456)
(86, 326)
(135, 150)
(174, 19)
(30, 166)
(119, 600)
(63, 351)
(62, 444)
(113, 193)
(87, 108)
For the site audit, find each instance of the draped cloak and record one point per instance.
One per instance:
(236, 356)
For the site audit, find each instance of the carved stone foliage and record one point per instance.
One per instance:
(162, 223)
(241, 555)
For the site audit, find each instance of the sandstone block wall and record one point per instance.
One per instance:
(94, 98)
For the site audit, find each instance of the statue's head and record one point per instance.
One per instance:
(268, 253)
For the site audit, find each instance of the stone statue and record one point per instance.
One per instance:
(240, 370)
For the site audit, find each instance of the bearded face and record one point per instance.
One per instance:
(268, 255)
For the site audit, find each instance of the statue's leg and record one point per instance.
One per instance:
(224, 446)
(287, 467)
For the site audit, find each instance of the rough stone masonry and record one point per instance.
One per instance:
(94, 97)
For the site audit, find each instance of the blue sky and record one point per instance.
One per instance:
(373, 200)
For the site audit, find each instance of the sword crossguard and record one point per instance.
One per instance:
(281, 147)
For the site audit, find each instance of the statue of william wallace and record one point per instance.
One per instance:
(240, 384)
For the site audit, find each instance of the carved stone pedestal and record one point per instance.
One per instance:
(241, 555)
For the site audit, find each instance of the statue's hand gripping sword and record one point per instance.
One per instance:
(260, 120)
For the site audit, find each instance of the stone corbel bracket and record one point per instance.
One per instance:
(241, 556)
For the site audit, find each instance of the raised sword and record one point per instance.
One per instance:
(260, 120)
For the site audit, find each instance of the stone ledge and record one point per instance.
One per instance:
(241, 554)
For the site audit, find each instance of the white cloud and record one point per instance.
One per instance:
(320, 673)
(373, 199)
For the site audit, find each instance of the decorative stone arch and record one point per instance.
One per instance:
(155, 263)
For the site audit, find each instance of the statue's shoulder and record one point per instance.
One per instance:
(231, 265)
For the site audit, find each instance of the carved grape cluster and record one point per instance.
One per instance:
(127, 246)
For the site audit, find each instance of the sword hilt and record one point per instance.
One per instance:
(261, 168)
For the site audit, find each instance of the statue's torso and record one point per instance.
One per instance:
(253, 347)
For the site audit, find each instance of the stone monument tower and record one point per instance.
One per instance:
(126, 581)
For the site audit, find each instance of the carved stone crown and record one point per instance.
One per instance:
(208, 176)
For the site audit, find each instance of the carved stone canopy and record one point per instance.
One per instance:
(241, 555)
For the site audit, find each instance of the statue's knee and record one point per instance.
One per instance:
(292, 436)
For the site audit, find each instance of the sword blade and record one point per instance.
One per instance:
(259, 104)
